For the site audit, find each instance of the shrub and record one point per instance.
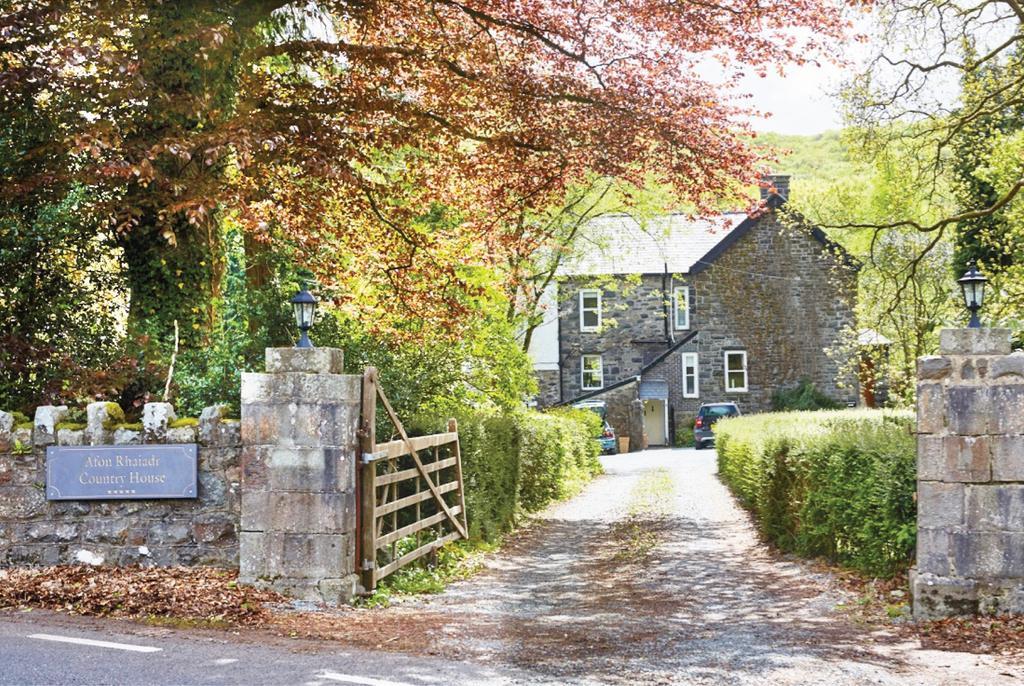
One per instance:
(804, 397)
(832, 484)
(521, 461)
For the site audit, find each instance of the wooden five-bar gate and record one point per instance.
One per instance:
(411, 500)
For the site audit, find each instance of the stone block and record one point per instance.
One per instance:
(314, 513)
(70, 437)
(973, 368)
(127, 437)
(933, 367)
(230, 433)
(995, 507)
(940, 505)
(182, 434)
(169, 533)
(987, 555)
(1007, 458)
(339, 591)
(983, 341)
(1001, 598)
(285, 387)
(968, 459)
(255, 461)
(214, 528)
(933, 551)
(252, 557)
(256, 514)
(969, 410)
(311, 469)
(21, 502)
(100, 416)
(105, 531)
(937, 596)
(931, 408)
(213, 489)
(48, 532)
(6, 427)
(305, 360)
(46, 420)
(209, 423)
(216, 459)
(954, 459)
(21, 437)
(308, 556)
(156, 419)
(1008, 409)
(1007, 367)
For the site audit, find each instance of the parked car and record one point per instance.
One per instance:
(707, 415)
(607, 438)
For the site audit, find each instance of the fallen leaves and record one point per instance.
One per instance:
(187, 593)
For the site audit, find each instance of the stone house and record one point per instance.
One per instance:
(660, 318)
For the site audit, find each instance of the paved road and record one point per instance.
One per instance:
(33, 651)
(652, 576)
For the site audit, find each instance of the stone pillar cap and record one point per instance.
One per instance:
(305, 360)
(983, 341)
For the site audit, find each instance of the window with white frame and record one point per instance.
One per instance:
(691, 377)
(590, 310)
(681, 307)
(735, 371)
(592, 373)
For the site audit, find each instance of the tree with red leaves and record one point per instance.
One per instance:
(388, 142)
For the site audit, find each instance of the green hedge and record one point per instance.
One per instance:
(520, 462)
(832, 484)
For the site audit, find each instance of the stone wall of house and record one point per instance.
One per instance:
(549, 388)
(776, 293)
(970, 471)
(785, 299)
(633, 328)
(200, 531)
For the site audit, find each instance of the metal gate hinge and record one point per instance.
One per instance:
(368, 565)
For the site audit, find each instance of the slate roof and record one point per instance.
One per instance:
(619, 244)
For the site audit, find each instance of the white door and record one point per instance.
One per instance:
(655, 422)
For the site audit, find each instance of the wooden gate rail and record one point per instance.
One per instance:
(393, 503)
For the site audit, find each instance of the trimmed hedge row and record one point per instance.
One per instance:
(832, 484)
(520, 462)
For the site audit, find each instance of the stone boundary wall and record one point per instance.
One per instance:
(200, 531)
(970, 463)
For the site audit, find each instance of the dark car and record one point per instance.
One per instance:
(707, 415)
(607, 437)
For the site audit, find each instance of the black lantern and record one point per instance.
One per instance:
(304, 306)
(973, 286)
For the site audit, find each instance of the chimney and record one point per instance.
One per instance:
(775, 184)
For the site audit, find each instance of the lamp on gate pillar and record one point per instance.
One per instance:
(972, 284)
(304, 306)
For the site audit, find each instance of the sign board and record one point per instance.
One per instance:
(126, 472)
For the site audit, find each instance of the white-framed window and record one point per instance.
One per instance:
(735, 371)
(590, 310)
(681, 307)
(691, 376)
(591, 373)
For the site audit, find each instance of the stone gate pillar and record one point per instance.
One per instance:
(970, 477)
(299, 444)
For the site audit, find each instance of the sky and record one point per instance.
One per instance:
(801, 102)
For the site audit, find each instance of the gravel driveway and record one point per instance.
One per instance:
(654, 575)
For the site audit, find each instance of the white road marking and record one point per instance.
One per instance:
(96, 644)
(362, 680)
(225, 661)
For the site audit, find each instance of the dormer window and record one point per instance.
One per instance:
(681, 307)
(590, 310)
